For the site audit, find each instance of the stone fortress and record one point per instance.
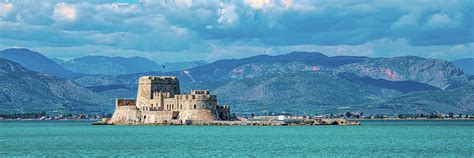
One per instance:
(159, 101)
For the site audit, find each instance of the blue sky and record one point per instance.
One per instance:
(185, 30)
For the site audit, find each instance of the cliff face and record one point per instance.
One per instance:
(23, 90)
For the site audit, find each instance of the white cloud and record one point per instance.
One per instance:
(442, 20)
(5, 8)
(247, 27)
(228, 18)
(64, 12)
(187, 3)
(258, 4)
(287, 3)
(120, 8)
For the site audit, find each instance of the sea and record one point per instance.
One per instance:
(396, 138)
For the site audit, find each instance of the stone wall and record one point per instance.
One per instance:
(125, 115)
(157, 116)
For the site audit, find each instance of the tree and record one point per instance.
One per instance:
(348, 114)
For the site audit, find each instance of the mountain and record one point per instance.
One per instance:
(467, 65)
(110, 65)
(58, 61)
(177, 66)
(438, 73)
(307, 82)
(23, 90)
(36, 62)
(104, 65)
(454, 100)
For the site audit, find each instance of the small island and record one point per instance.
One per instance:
(159, 102)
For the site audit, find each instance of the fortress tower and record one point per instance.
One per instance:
(161, 85)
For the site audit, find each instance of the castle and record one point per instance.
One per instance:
(159, 101)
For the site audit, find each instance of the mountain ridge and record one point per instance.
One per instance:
(36, 61)
(297, 82)
(313, 82)
(23, 90)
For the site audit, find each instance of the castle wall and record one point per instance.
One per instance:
(125, 115)
(157, 116)
(198, 107)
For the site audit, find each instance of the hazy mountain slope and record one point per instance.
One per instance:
(58, 61)
(294, 92)
(467, 65)
(36, 62)
(110, 65)
(23, 90)
(438, 73)
(178, 66)
(454, 100)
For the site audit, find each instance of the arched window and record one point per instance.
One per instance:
(194, 106)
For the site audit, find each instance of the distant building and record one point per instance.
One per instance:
(159, 101)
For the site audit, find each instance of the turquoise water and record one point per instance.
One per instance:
(372, 139)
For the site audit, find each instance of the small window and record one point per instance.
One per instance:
(194, 106)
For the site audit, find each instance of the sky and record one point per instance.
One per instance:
(186, 30)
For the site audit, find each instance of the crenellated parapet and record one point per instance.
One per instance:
(202, 97)
(195, 92)
(223, 112)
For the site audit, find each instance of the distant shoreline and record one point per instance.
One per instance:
(396, 119)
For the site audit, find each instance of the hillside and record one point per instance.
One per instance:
(454, 100)
(304, 82)
(467, 65)
(110, 65)
(438, 73)
(178, 66)
(36, 62)
(23, 90)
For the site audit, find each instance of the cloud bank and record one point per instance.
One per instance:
(187, 30)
